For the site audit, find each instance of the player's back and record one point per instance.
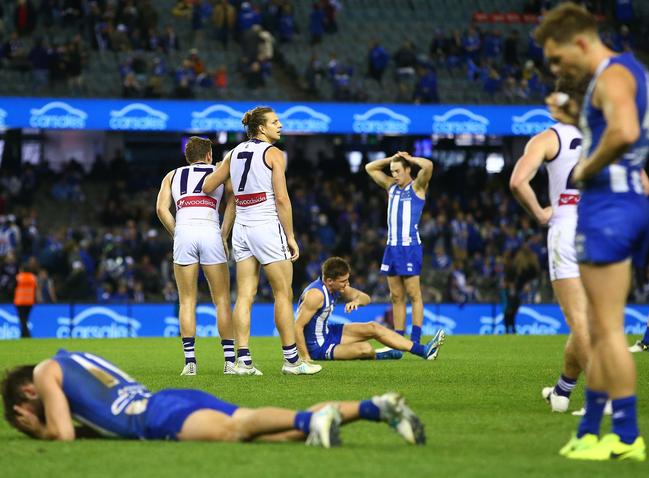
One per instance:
(404, 212)
(316, 330)
(252, 182)
(192, 204)
(102, 396)
(563, 195)
(624, 175)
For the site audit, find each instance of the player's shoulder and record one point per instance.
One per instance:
(313, 296)
(47, 369)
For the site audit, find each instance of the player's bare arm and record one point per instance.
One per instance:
(276, 161)
(539, 149)
(218, 176)
(423, 176)
(375, 170)
(163, 205)
(228, 215)
(354, 298)
(58, 421)
(645, 182)
(615, 95)
(313, 300)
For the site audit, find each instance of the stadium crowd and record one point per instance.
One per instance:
(477, 243)
(165, 51)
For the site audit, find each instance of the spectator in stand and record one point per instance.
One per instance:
(426, 87)
(46, 288)
(169, 40)
(330, 9)
(247, 18)
(510, 50)
(493, 83)
(623, 40)
(182, 9)
(72, 12)
(131, 87)
(39, 56)
(148, 16)
(24, 17)
(286, 24)
(316, 23)
(224, 20)
(624, 11)
(405, 60)
(377, 61)
(493, 45)
(221, 78)
(471, 44)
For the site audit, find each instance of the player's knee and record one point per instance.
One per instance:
(374, 329)
(397, 297)
(366, 350)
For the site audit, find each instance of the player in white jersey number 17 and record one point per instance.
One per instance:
(198, 239)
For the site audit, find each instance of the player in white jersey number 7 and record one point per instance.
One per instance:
(262, 235)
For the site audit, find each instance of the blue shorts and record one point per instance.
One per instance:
(326, 350)
(402, 260)
(612, 229)
(168, 410)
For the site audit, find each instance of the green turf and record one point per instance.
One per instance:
(480, 402)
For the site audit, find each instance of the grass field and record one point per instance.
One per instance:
(480, 402)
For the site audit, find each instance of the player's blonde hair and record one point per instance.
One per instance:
(197, 149)
(255, 118)
(563, 22)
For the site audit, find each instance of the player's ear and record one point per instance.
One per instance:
(29, 391)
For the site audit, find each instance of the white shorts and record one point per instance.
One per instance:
(562, 256)
(266, 243)
(198, 243)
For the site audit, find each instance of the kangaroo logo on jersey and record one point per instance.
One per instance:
(380, 120)
(303, 119)
(138, 117)
(57, 114)
(532, 122)
(460, 121)
(97, 322)
(217, 118)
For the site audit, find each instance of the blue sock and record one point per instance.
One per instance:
(418, 349)
(188, 349)
(625, 420)
(565, 386)
(645, 337)
(244, 356)
(290, 353)
(369, 411)
(302, 422)
(591, 421)
(400, 332)
(228, 350)
(415, 334)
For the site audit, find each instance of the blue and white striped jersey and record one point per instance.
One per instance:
(404, 212)
(623, 175)
(102, 396)
(316, 330)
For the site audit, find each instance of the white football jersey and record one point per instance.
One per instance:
(252, 183)
(192, 204)
(563, 196)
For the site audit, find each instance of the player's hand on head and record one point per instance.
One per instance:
(27, 420)
(293, 247)
(563, 108)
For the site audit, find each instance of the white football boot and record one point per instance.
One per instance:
(325, 427)
(189, 369)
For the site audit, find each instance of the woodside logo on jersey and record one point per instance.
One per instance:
(196, 201)
(246, 200)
